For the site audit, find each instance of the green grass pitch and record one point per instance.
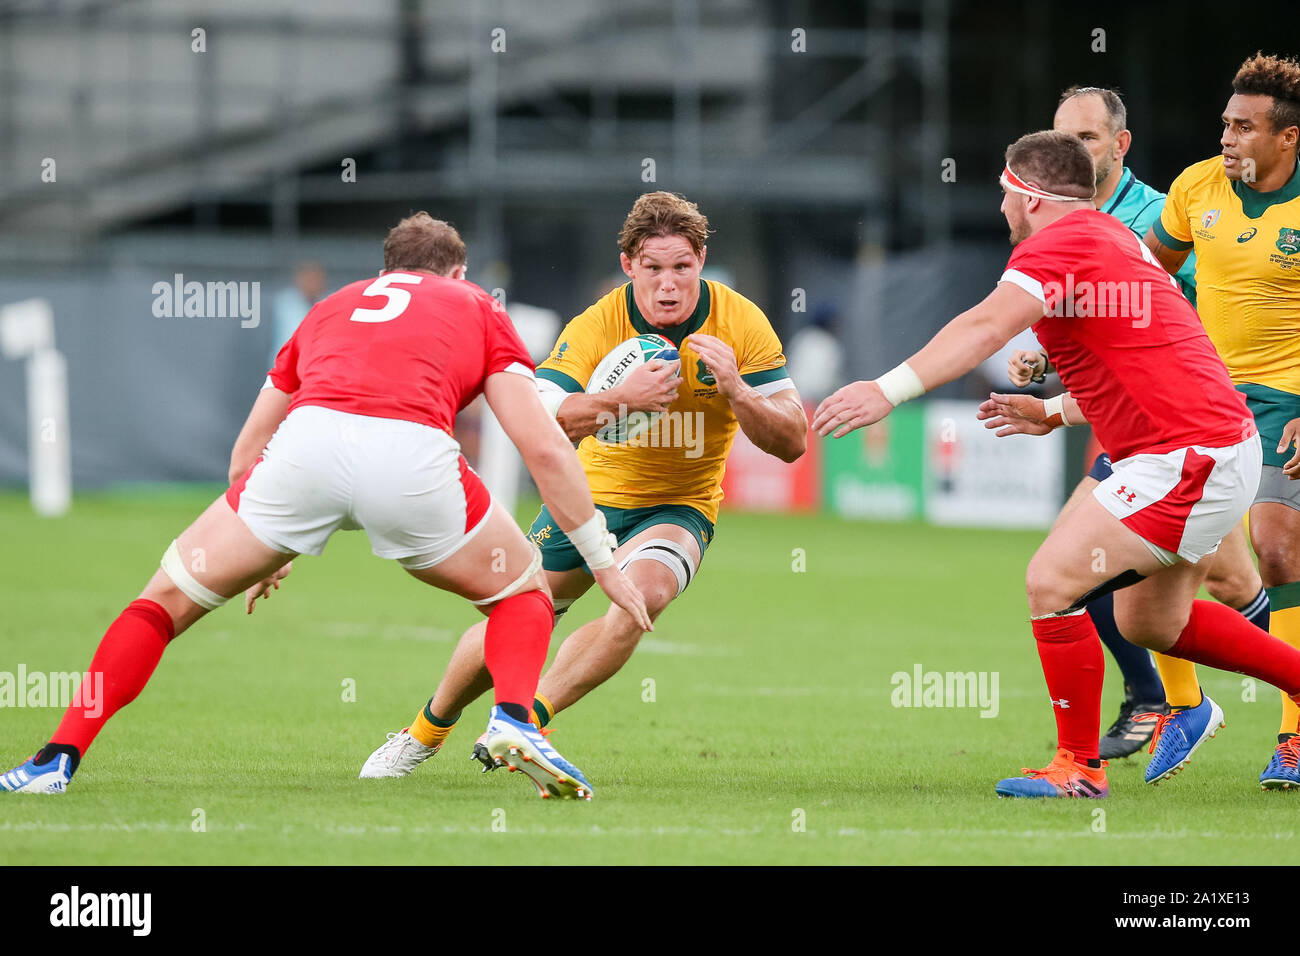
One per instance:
(770, 739)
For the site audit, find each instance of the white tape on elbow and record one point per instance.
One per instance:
(175, 569)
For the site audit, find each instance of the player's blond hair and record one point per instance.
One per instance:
(1272, 76)
(663, 214)
(421, 242)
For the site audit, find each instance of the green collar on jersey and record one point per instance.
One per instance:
(1255, 203)
(677, 333)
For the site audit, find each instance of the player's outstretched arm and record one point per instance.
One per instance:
(267, 414)
(957, 348)
(650, 388)
(551, 461)
(1171, 259)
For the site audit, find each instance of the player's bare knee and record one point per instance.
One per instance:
(1279, 562)
(1048, 590)
(1235, 589)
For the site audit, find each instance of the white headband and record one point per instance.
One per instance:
(1015, 184)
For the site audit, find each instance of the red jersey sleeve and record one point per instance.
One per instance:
(503, 348)
(284, 374)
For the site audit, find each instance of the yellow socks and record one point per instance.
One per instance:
(1182, 689)
(543, 711)
(1284, 624)
(429, 729)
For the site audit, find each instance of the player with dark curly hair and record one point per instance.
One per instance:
(1240, 212)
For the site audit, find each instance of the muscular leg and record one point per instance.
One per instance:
(494, 567)
(594, 652)
(1233, 580)
(218, 554)
(1142, 683)
(1162, 616)
(1275, 532)
(466, 679)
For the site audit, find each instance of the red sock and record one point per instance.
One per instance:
(1074, 667)
(514, 649)
(1218, 636)
(124, 661)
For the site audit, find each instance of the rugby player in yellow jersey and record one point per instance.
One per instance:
(660, 496)
(1240, 212)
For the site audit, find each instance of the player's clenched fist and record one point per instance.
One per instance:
(720, 359)
(650, 388)
(853, 406)
(1024, 366)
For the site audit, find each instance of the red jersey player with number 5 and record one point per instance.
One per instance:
(354, 430)
(1184, 449)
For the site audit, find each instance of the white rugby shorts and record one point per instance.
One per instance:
(1183, 503)
(406, 484)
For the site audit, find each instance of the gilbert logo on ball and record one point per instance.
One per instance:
(614, 368)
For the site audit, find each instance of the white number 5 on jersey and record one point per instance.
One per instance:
(396, 300)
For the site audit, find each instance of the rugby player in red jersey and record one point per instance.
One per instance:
(353, 429)
(1185, 454)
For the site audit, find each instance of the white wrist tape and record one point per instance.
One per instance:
(900, 384)
(594, 542)
(1056, 406)
(552, 396)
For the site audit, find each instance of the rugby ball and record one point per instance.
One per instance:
(616, 366)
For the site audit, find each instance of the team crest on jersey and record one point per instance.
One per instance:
(1288, 241)
(703, 374)
(1210, 218)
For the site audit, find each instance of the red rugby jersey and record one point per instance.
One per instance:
(407, 345)
(1127, 344)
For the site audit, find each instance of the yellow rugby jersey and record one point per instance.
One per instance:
(681, 460)
(1247, 269)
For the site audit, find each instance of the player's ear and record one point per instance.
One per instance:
(1123, 140)
(459, 271)
(626, 263)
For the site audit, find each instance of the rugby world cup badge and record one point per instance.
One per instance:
(1210, 218)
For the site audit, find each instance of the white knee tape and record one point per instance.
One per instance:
(518, 582)
(668, 553)
(175, 569)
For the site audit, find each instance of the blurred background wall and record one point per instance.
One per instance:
(142, 140)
